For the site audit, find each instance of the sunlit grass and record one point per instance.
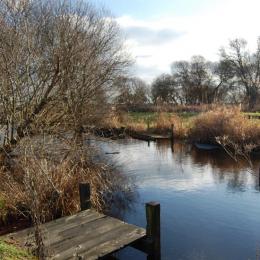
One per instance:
(10, 251)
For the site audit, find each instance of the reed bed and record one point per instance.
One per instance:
(43, 176)
(228, 127)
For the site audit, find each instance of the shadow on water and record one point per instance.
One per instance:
(210, 204)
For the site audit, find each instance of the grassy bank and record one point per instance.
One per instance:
(223, 125)
(10, 251)
(160, 123)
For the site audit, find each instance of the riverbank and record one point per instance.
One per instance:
(50, 168)
(206, 197)
(9, 250)
(227, 127)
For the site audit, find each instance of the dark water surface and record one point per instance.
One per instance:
(210, 204)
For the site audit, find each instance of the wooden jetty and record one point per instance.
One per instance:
(149, 136)
(92, 235)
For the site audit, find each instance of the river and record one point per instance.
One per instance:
(210, 204)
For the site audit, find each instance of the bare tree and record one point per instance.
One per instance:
(132, 92)
(57, 61)
(165, 89)
(200, 81)
(245, 68)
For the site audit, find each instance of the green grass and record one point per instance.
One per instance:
(11, 252)
(253, 113)
(142, 116)
(151, 116)
(185, 117)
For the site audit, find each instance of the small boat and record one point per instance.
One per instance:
(206, 147)
(256, 152)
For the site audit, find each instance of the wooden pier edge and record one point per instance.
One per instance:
(151, 243)
(91, 235)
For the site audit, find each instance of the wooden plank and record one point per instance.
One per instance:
(77, 236)
(66, 233)
(59, 224)
(127, 234)
(88, 233)
(115, 243)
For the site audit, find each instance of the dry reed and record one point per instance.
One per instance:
(228, 127)
(54, 169)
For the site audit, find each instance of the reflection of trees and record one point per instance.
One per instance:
(163, 147)
(237, 182)
(179, 150)
(224, 168)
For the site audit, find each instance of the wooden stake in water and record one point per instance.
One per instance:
(259, 177)
(172, 133)
(84, 193)
(153, 229)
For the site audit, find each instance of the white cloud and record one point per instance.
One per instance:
(155, 44)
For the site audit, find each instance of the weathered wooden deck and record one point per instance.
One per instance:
(86, 235)
(92, 235)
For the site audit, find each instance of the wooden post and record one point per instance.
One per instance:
(259, 177)
(172, 133)
(148, 124)
(172, 137)
(84, 193)
(153, 229)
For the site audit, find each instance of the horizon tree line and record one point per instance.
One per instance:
(234, 79)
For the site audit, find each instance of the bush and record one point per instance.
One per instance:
(228, 127)
(164, 122)
(44, 176)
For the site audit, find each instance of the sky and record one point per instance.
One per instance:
(159, 32)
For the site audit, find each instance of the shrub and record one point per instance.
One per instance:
(44, 176)
(228, 127)
(164, 122)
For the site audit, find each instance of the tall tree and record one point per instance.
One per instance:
(165, 89)
(57, 61)
(200, 81)
(132, 91)
(245, 68)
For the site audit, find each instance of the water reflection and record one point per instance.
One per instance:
(210, 203)
(238, 174)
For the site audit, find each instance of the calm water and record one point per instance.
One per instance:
(210, 205)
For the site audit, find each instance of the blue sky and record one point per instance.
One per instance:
(159, 32)
(146, 9)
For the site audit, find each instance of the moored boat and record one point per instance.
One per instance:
(206, 147)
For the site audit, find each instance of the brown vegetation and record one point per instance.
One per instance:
(229, 127)
(44, 176)
(58, 62)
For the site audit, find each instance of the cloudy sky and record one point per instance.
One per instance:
(158, 32)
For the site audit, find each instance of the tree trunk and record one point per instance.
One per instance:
(252, 98)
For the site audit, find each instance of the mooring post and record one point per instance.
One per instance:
(84, 193)
(259, 177)
(172, 133)
(172, 137)
(153, 230)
